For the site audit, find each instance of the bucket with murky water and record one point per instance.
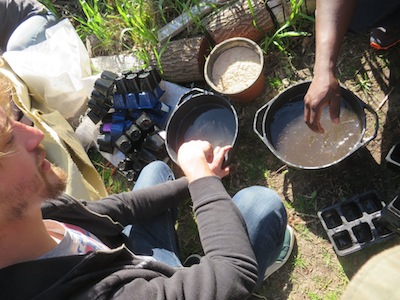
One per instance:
(280, 125)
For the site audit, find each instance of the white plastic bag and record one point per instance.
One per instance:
(54, 70)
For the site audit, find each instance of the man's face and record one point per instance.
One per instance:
(26, 177)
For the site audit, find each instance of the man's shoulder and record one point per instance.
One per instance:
(60, 202)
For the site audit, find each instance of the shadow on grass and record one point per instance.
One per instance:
(279, 284)
(358, 174)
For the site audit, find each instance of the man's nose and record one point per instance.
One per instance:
(32, 136)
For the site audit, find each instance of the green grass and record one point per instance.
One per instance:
(293, 27)
(114, 181)
(126, 25)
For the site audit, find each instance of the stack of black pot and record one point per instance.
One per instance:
(131, 114)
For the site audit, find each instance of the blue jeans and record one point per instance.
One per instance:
(30, 32)
(261, 208)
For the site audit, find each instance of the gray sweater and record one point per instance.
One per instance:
(227, 271)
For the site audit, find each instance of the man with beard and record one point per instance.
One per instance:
(53, 246)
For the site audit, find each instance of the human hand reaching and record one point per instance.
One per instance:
(198, 159)
(323, 91)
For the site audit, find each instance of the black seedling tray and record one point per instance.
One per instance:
(391, 214)
(355, 223)
(393, 156)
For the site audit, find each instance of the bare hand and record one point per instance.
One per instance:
(323, 91)
(219, 159)
(198, 159)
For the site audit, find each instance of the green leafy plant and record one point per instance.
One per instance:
(289, 28)
(96, 23)
(364, 82)
(133, 25)
(139, 26)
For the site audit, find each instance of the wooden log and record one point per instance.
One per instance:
(280, 10)
(252, 21)
(240, 20)
(309, 7)
(183, 60)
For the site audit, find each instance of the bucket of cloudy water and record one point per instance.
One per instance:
(280, 125)
(202, 115)
(235, 68)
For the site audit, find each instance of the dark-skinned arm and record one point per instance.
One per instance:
(332, 21)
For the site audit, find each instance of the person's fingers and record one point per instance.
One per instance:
(307, 114)
(219, 159)
(312, 118)
(219, 154)
(316, 120)
(334, 109)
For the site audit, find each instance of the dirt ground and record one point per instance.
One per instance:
(315, 271)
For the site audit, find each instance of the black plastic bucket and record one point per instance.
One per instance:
(279, 108)
(202, 115)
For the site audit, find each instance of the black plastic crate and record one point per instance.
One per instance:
(355, 223)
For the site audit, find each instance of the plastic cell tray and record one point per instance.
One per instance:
(393, 157)
(355, 223)
(391, 214)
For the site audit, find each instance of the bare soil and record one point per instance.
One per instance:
(314, 270)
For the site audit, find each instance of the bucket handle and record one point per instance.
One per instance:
(191, 93)
(373, 112)
(258, 129)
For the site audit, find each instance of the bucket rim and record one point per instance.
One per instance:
(172, 153)
(223, 46)
(266, 139)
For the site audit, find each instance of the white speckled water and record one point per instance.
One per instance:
(300, 146)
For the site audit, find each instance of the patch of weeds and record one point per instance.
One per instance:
(300, 262)
(139, 27)
(364, 83)
(291, 28)
(289, 205)
(327, 257)
(255, 168)
(322, 282)
(275, 83)
(306, 203)
(267, 174)
(332, 295)
(95, 22)
(49, 5)
(314, 296)
(132, 25)
(114, 181)
(304, 232)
